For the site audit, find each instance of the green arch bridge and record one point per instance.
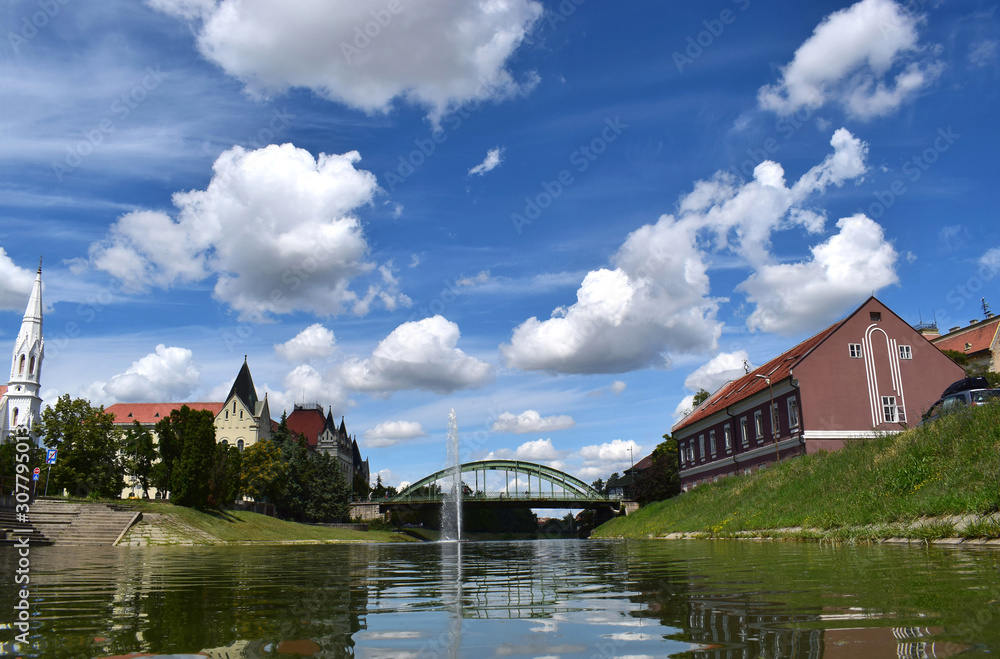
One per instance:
(533, 486)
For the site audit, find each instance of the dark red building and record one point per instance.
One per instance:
(869, 373)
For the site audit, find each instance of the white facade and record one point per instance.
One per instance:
(21, 405)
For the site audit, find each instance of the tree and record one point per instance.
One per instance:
(700, 397)
(661, 480)
(187, 453)
(973, 370)
(329, 499)
(88, 444)
(9, 460)
(138, 455)
(224, 478)
(378, 492)
(262, 471)
(598, 485)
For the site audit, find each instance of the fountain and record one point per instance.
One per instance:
(451, 511)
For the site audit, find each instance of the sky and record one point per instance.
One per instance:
(559, 219)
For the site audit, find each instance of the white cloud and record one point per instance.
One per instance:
(984, 53)
(717, 371)
(991, 259)
(15, 284)
(314, 342)
(601, 460)
(364, 54)
(861, 57)
(531, 421)
(683, 407)
(618, 386)
(537, 450)
(274, 226)
(493, 159)
(482, 278)
(388, 433)
(795, 297)
(168, 374)
(656, 302)
(304, 384)
(418, 355)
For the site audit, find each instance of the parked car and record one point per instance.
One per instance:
(961, 395)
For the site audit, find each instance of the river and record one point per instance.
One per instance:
(550, 598)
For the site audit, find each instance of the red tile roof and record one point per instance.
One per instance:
(308, 421)
(151, 413)
(3, 389)
(980, 337)
(641, 465)
(777, 370)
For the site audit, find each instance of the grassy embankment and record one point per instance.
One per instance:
(938, 481)
(168, 524)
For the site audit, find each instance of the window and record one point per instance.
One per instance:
(691, 451)
(729, 437)
(13, 421)
(225, 442)
(875, 316)
(905, 352)
(711, 441)
(20, 367)
(234, 407)
(890, 411)
(855, 350)
(775, 426)
(701, 447)
(227, 415)
(793, 412)
(744, 437)
(239, 445)
(747, 472)
(31, 366)
(758, 424)
(241, 414)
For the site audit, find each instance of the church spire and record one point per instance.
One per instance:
(21, 405)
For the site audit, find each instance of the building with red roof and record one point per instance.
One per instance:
(322, 434)
(979, 341)
(868, 373)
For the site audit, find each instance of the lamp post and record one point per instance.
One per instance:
(774, 435)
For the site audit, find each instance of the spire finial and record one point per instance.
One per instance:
(39, 264)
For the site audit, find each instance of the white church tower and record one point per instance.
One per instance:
(20, 405)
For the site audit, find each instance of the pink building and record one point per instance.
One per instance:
(869, 373)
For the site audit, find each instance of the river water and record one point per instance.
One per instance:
(549, 598)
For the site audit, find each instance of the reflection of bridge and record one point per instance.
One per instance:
(533, 486)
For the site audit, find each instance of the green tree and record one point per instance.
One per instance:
(187, 453)
(700, 397)
(292, 498)
(88, 444)
(263, 471)
(9, 461)
(224, 478)
(599, 486)
(138, 455)
(661, 480)
(378, 492)
(329, 500)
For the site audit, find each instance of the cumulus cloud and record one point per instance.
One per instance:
(717, 371)
(418, 355)
(618, 386)
(364, 53)
(482, 278)
(304, 384)
(314, 342)
(168, 374)
(538, 450)
(600, 460)
(864, 57)
(15, 284)
(684, 407)
(531, 421)
(388, 433)
(493, 159)
(795, 297)
(655, 300)
(274, 226)
(991, 259)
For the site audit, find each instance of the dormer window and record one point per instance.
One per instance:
(130, 415)
(31, 366)
(20, 366)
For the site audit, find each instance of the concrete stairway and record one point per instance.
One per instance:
(81, 523)
(9, 523)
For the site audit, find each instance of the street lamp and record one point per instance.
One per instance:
(774, 435)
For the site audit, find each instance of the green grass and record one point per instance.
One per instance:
(869, 489)
(236, 526)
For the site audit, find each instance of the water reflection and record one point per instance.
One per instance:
(564, 598)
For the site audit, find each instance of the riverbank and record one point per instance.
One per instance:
(165, 524)
(939, 482)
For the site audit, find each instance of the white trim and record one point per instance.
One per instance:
(735, 460)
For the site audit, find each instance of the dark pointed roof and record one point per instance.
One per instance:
(243, 387)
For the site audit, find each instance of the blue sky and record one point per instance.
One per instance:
(559, 219)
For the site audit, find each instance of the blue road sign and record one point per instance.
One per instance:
(50, 456)
(34, 476)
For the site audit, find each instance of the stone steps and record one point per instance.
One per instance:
(92, 524)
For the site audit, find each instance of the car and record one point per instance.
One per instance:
(955, 398)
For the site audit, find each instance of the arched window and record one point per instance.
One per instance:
(225, 442)
(20, 366)
(227, 415)
(31, 366)
(239, 445)
(13, 421)
(234, 407)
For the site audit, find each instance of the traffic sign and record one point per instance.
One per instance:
(37, 471)
(34, 476)
(50, 456)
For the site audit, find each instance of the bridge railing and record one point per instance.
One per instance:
(505, 496)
